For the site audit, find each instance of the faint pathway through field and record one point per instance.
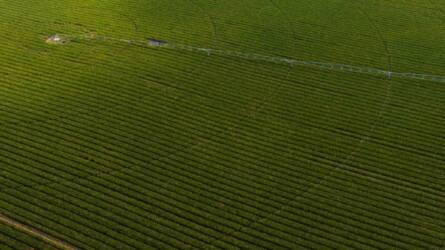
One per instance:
(36, 233)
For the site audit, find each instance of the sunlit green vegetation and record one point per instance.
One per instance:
(110, 145)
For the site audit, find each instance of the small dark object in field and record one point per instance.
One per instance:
(156, 42)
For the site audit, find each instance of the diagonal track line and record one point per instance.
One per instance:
(36, 233)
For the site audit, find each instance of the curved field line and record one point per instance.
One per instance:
(380, 36)
(321, 180)
(350, 155)
(384, 104)
(385, 101)
(36, 232)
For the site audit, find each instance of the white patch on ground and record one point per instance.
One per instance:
(56, 39)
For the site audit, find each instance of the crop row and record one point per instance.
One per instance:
(185, 163)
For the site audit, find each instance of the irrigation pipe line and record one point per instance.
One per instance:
(259, 57)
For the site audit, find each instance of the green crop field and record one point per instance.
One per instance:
(13, 239)
(207, 124)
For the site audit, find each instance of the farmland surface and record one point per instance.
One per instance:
(107, 142)
(12, 239)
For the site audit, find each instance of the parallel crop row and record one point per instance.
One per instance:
(116, 146)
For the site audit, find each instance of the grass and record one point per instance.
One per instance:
(108, 145)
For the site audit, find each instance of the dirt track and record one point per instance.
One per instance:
(36, 233)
